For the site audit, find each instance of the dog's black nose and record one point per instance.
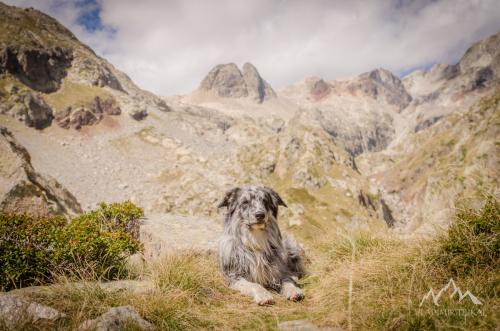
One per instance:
(260, 215)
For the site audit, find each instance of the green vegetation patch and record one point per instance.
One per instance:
(93, 245)
(74, 95)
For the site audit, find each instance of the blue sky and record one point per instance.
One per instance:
(168, 46)
(90, 18)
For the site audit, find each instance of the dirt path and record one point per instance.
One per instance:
(166, 233)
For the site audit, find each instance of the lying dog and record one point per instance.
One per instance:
(253, 255)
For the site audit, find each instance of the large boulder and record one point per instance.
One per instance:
(30, 108)
(17, 312)
(87, 114)
(23, 190)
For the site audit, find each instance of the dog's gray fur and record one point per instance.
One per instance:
(253, 255)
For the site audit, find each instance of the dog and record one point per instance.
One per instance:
(253, 255)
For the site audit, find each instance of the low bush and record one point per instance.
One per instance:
(93, 245)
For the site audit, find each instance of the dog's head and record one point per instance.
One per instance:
(254, 206)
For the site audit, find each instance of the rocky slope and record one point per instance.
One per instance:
(358, 112)
(45, 70)
(23, 190)
(446, 145)
(368, 151)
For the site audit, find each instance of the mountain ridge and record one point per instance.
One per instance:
(347, 144)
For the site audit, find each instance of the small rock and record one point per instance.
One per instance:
(138, 114)
(117, 319)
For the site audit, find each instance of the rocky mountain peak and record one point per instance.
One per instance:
(382, 84)
(257, 87)
(483, 55)
(227, 81)
(317, 87)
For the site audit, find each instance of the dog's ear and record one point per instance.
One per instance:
(278, 201)
(229, 198)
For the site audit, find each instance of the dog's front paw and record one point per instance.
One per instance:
(263, 298)
(292, 292)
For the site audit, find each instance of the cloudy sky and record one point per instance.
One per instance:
(168, 46)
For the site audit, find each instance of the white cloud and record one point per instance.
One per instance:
(169, 46)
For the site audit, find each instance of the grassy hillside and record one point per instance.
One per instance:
(359, 281)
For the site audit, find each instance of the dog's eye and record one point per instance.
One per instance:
(244, 203)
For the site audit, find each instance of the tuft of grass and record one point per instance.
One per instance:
(473, 240)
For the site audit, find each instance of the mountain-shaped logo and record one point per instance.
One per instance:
(456, 291)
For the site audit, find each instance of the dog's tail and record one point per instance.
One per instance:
(295, 256)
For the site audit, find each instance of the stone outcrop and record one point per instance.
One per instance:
(227, 81)
(138, 114)
(40, 69)
(18, 312)
(318, 88)
(381, 84)
(90, 114)
(27, 107)
(23, 190)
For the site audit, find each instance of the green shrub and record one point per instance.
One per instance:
(473, 240)
(95, 245)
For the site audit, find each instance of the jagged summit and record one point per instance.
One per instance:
(479, 68)
(381, 83)
(228, 81)
(483, 54)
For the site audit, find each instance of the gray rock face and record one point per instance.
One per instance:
(15, 312)
(98, 74)
(29, 108)
(318, 88)
(382, 84)
(23, 190)
(117, 319)
(485, 53)
(41, 69)
(257, 88)
(87, 115)
(227, 81)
